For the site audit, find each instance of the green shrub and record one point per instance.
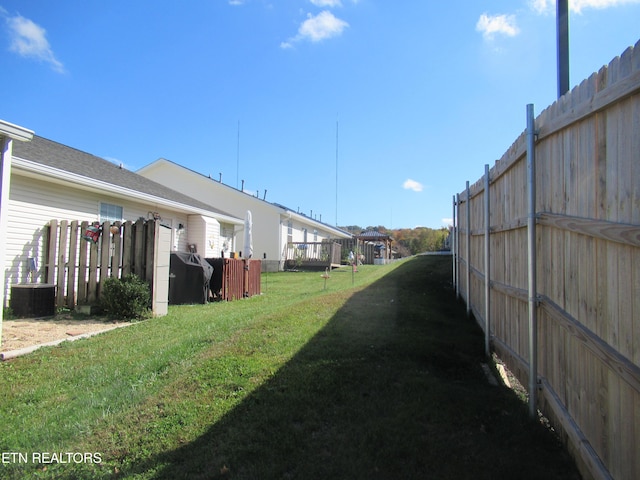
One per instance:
(127, 298)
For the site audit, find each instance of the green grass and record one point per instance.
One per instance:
(380, 379)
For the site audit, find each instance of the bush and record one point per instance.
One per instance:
(127, 298)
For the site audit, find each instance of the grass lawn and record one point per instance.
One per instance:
(377, 377)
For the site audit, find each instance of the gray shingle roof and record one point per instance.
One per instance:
(374, 235)
(56, 155)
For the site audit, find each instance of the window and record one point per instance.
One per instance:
(110, 213)
(289, 232)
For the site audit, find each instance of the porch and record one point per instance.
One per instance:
(312, 255)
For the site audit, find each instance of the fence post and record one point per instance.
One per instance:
(452, 244)
(487, 264)
(458, 246)
(50, 268)
(468, 253)
(161, 267)
(531, 231)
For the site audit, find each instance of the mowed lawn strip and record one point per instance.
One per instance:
(57, 396)
(380, 380)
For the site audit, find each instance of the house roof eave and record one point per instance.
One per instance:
(288, 213)
(15, 132)
(62, 177)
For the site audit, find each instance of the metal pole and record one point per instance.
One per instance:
(487, 265)
(562, 33)
(6, 145)
(468, 251)
(458, 246)
(355, 264)
(531, 230)
(238, 157)
(337, 172)
(453, 243)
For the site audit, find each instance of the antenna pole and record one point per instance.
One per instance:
(238, 157)
(337, 172)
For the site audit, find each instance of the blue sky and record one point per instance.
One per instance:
(419, 94)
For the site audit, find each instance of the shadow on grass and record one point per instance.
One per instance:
(391, 388)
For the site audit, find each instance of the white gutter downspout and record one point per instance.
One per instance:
(8, 133)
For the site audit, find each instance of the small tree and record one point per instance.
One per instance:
(128, 298)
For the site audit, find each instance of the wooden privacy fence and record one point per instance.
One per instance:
(360, 248)
(555, 280)
(233, 279)
(79, 267)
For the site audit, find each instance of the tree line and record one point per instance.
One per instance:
(409, 241)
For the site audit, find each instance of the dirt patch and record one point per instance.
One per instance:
(27, 332)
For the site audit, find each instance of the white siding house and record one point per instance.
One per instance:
(273, 225)
(52, 181)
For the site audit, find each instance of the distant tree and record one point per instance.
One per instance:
(421, 239)
(353, 229)
(408, 241)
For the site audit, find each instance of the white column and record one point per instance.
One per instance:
(8, 133)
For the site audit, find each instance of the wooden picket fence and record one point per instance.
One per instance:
(584, 231)
(79, 267)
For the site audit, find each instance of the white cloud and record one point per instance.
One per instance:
(490, 25)
(326, 3)
(576, 6)
(448, 222)
(29, 39)
(542, 6)
(412, 185)
(322, 26)
(317, 28)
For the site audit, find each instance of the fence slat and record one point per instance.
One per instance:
(127, 248)
(83, 266)
(105, 254)
(72, 264)
(150, 231)
(62, 263)
(92, 285)
(116, 259)
(138, 246)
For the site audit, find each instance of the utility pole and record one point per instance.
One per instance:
(562, 28)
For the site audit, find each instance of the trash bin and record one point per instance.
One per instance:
(189, 277)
